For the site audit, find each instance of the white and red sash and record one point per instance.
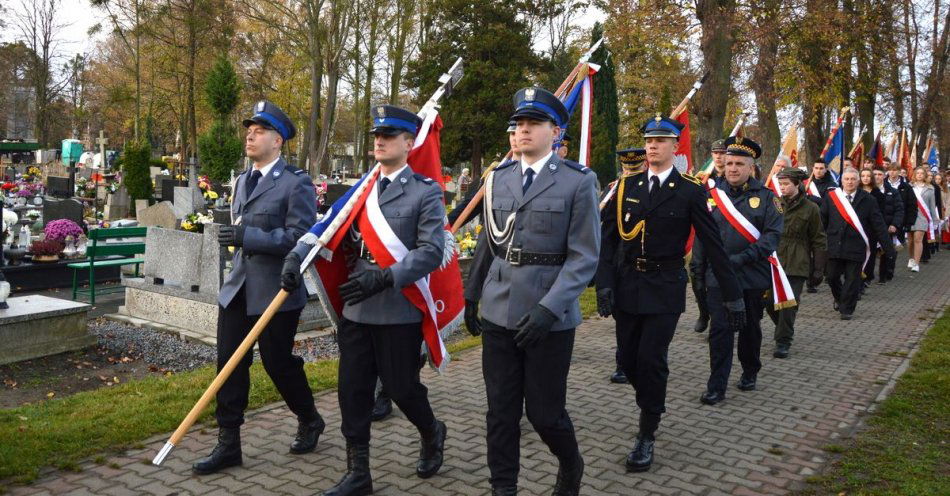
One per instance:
(811, 188)
(931, 234)
(782, 295)
(846, 211)
(387, 249)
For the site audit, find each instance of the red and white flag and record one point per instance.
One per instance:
(683, 157)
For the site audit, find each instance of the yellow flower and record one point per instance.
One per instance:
(211, 195)
(478, 229)
(187, 226)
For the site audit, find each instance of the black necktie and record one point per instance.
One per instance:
(529, 178)
(252, 182)
(654, 187)
(382, 185)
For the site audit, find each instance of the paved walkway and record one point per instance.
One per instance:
(762, 442)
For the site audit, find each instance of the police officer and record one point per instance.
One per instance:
(542, 229)
(381, 330)
(631, 162)
(696, 280)
(562, 147)
(750, 262)
(274, 204)
(641, 278)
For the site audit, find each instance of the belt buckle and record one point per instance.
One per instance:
(640, 264)
(514, 256)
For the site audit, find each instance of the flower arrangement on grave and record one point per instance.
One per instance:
(33, 173)
(46, 249)
(85, 188)
(466, 244)
(9, 221)
(196, 222)
(33, 214)
(207, 189)
(58, 229)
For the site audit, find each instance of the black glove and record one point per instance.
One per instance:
(605, 302)
(472, 323)
(231, 236)
(290, 276)
(818, 270)
(365, 284)
(735, 311)
(534, 326)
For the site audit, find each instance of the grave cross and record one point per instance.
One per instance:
(102, 141)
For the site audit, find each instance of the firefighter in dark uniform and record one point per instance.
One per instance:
(749, 261)
(274, 205)
(631, 162)
(641, 277)
(695, 280)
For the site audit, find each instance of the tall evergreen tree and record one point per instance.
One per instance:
(605, 131)
(219, 149)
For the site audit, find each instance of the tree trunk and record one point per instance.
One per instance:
(309, 160)
(938, 71)
(716, 43)
(192, 21)
(763, 84)
(326, 126)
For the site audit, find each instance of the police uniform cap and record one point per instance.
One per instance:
(742, 147)
(662, 127)
(539, 104)
(512, 126)
(566, 139)
(390, 120)
(719, 145)
(270, 116)
(632, 156)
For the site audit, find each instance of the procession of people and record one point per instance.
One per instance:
(744, 247)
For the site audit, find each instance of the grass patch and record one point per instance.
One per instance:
(62, 432)
(905, 448)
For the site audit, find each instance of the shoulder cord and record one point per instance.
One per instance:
(626, 235)
(498, 236)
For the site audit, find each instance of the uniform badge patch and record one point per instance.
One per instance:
(754, 202)
(402, 180)
(276, 174)
(778, 205)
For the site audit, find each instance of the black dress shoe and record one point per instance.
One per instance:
(712, 397)
(835, 305)
(812, 290)
(781, 350)
(701, 323)
(618, 377)
(845, 316)
(504, 491)
(382, 409)
(357, 481)
(569, 477)
(227, 453)
(308, 433)
(640, 459)
(746, 383)
(430, 455)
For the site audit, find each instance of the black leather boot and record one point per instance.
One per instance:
(227, 453)
(504, 491)
(357, 481)
(308, 433)
(618, 377)
(569, 475)
(746, 382)
(383, 407)
(430, 454)
(641, 458)
(702, 322)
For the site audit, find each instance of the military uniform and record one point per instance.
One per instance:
(641, 277)
(381, 331)
(272, 206)
(696, 279)
(542, 224)
(750, 263)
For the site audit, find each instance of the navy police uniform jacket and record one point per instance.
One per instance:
(679, 205)
(281, 209)
(749, 260)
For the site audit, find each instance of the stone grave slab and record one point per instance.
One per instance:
(161, 215)
(36, 326)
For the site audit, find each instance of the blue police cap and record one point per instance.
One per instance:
(742, 147)
(512, 126)
(539, 104)
(390, 120)
(661, 127)
(632, 156)
(271, 116)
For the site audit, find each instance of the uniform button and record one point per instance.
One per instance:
(521, 228)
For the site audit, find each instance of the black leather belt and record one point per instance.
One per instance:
(516, 256)
(647, 265)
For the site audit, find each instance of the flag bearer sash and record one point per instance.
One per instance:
(931, 234)
(846, 211)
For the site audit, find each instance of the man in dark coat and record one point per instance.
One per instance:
(847, 249)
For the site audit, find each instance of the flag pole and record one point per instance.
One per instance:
(448, 81)
(466, 215)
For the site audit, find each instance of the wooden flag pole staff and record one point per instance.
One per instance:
(222, 376)
(448, 81)
(477, 199)
(689, 96)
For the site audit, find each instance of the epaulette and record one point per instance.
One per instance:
(691, 178)
(294, 170)
(576, 166)
(505, 165)
(425, 179)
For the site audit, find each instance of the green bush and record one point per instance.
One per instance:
(136, 158)
(220, 148)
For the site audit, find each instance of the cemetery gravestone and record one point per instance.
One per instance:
(159, 215)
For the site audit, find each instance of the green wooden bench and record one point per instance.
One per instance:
(99, 248)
